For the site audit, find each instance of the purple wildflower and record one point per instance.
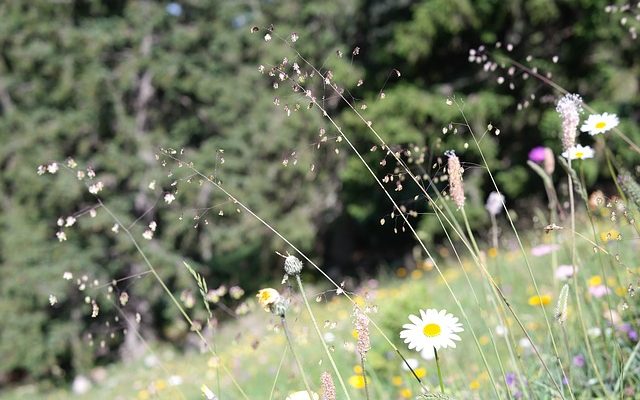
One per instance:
(510, 378)
(544, 249)
(598, 291)
(537, 154)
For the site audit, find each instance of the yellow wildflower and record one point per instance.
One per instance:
(544, 300)
(595, 280)
(267, 297)
(357, 381)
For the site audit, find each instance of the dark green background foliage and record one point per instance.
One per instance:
(110, 83)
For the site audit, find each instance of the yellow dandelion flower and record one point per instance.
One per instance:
(611, 234)
(544, 300)
(474, 385)
(267, 297)
(396, 380)
(532, 325)
(144, 394)
(595, 280)
(426, 265)
(620, 291)
(357, 370)
(420, 372)
(160, 385)
(492, 252)
(356, 381)
(406, 393)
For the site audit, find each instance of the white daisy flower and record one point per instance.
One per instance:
(599, 123)
(578, 152)
(435, 329)
(302, 395)
(413, 363)
(428, 353)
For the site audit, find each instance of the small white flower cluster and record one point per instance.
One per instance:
(148, 234)
(494, 203)
(169, 198)
(96, 187)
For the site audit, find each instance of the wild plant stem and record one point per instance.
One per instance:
(567, 350)
(469, 232)
(477, 300)
(562, 90)
(172, 297)
(521, 245)
(364, 377)
(610, 308)
(575, 284)
(283, 321)
(627, 365)
(324, 344)
(303, 255)
(435, 351)
(275, 380)
(494, 231)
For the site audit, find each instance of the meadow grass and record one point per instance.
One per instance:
(548, 313)
(256, 345)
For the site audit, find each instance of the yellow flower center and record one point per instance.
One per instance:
(601, 125)
(579, 154)
(431, 330)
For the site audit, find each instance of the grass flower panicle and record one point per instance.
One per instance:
(569, 107)
(561, 307)
(327, 386)
(361, 322)
(456, 188)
